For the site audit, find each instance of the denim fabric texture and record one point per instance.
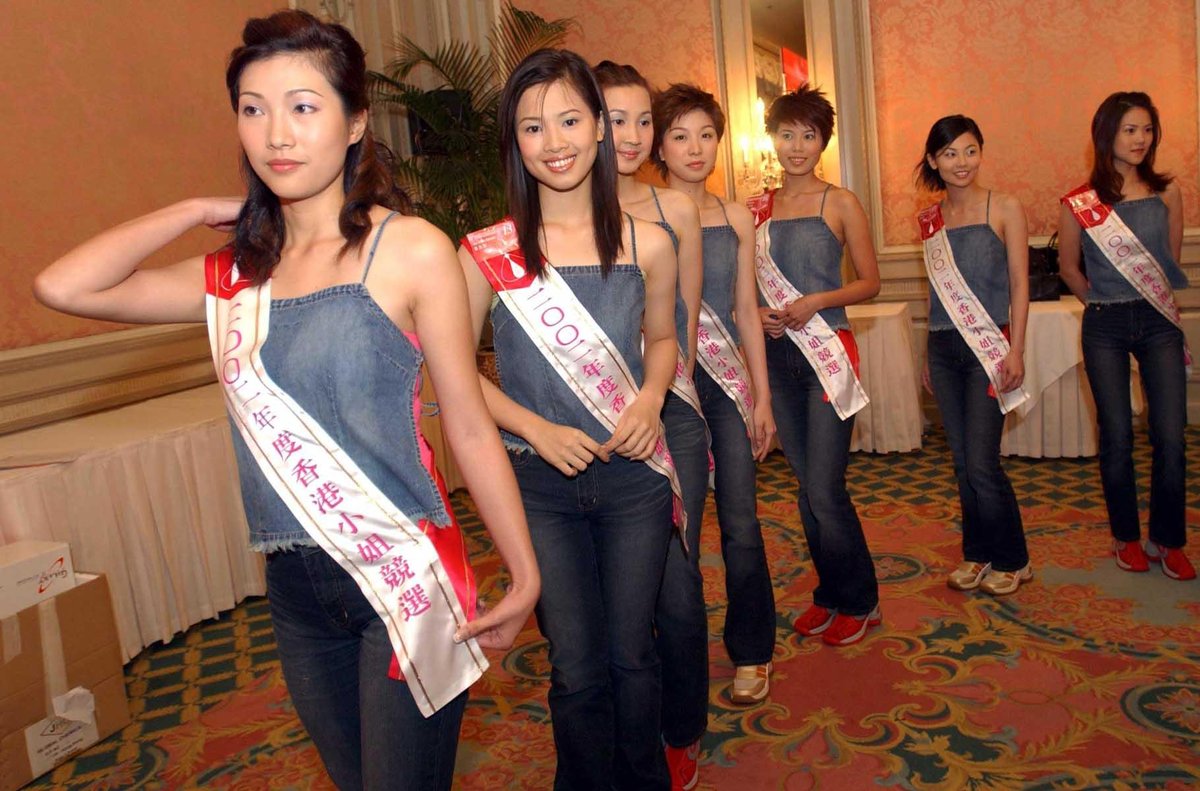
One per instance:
(719, 245)
(817, 446)
(680, 305)
(983, 262)
(810, 257)
(1147, 218)
(681, 617)
(1111, 333)
(991, 519)
(335, 654)
(601, 543)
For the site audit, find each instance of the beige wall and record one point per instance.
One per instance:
(1031, 75)
(110, 109)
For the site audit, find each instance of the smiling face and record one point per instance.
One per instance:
(632, 126)
(958, 163)
(557, 135)
(798, 147)
(1135, 135)
(689, 147)
(293, 127)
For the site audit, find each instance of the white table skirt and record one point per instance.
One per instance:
(888, 372)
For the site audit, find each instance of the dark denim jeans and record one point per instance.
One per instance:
(750, 614)
(1111, 332)
(817, 445)
(991, 519)
(681, 618)
(601, 542)
(335, 655)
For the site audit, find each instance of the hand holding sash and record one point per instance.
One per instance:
(498, 628)
(772, 324)
(1012, 371)
(566, 448)
(798, 313)
(637, 431)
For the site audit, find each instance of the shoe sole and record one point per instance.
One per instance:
(1171, 574)
(950, 583)
(1128, 567)
(1021, 579)
(871, 621)
(816, 631)
(746, 699)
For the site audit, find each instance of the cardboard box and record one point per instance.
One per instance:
(31, 571)
(62, 686)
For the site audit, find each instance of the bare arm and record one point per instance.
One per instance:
(1070, 251)
(1174, 200)
(100, 278)
(439, 312)
(1016, 245)
(568, 448)
(749, 326)
(685, 220)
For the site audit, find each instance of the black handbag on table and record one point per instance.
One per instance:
(1044, 283)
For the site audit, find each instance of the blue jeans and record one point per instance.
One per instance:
(750, 614)
(601, 542)
(1112, 332)
(810, 429)
(335, 654)
(991, 519)
(681, 618)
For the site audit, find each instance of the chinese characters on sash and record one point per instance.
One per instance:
(722, 360)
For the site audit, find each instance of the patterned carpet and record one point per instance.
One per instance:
(1088, 678)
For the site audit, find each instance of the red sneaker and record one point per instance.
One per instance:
(849, 629)
(815, 620)
(1130, 556)
(1175, 564)
(683, 763)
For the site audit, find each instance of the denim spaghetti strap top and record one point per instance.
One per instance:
(615, 302)
(719, 244)
(680, 305)
(810, 257)
(348, 365)
(983, 261)
(1147, 218)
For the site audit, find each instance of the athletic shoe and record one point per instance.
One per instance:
(1130, 556)
(1175, 564)
(968, 576)
(849, 629)
(815, 620)
(751, 683)
(1002, 583)
(683, 763)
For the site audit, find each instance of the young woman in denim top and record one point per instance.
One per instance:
(350, 324)
(688, 125)
(989, 242)
(599, 516)
(1118, 322)
(811, 223)
(680, 618)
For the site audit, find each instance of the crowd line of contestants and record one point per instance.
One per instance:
(648, 341)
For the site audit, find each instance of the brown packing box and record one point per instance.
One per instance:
(91, 659)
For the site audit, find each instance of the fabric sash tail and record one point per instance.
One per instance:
(819, 342)
(973, 323)
(722, 360)
(394, 563)
(683, 386)
(1128, 256)
(568, 337)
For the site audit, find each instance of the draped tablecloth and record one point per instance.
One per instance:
(147, 494)
(888, 372)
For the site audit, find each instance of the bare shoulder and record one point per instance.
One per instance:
(843, 200)
(678, 208)
(739, 217)
(1007, 204)
(412, 244)
(651, 239)
(1173, 195)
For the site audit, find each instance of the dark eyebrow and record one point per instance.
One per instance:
(289, 93)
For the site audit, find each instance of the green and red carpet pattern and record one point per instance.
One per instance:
(1087, 678)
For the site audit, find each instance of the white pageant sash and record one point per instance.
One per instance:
(973, 323)
(568, 337)
(1128, 256)
(818, 341)
(394, 563)
(722, 360)
(683, 386)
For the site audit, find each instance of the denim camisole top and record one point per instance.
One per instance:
(680, 305)
(983, 261)
(810, 257)
(1147, 218)
(719, 248)
(353, 370)
(615, 302)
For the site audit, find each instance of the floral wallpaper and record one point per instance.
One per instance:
(1031, 74)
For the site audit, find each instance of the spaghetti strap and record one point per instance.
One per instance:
(723, 212)
(632, 237)
(821, 211)
(657, 205)
(375, 244)
(987, 217)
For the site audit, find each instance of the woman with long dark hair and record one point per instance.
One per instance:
(812, 360)
(977, 261)
(1126, 225)
(320, 312)
(576, 290)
